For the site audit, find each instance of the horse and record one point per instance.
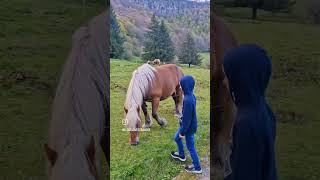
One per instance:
(222, 107)
(151, 84)
(78, 124)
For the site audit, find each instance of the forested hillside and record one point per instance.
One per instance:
(180, 16)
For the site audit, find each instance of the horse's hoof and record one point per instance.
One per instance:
(163, 123)
(146, 126)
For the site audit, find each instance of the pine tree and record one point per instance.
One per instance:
(151, 39)
(116, 40)
(158, 44)
(165, 44)
(188, 52)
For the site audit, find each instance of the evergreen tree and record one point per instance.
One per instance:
(116, 40)
(158, 44)
(188, 52)
(165, 45)
(151, 39)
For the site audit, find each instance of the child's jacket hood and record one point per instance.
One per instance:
(248, 69)
(187, 84)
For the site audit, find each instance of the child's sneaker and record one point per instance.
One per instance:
(192, 169)
(176, 155)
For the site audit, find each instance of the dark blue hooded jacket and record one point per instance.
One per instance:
(189, 115)
(248, 70)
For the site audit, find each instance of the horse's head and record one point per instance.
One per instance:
(133, 121)
(74, 162)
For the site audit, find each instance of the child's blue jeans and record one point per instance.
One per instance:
(190, 140)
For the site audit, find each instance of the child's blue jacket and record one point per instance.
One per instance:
(248, 70)
(189, 115)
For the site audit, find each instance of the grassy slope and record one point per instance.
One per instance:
(205, 55)
(151, 157)
(295, 87)
(35, 38)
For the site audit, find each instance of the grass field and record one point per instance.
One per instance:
(151, 158)
(35, 38)
(295, 87)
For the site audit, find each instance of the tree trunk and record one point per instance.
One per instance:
(189, 65)
(254, 12)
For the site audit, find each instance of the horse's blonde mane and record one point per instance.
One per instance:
(81, 101)
(140, 83)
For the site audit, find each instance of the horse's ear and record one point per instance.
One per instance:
(125, 109)
(51, 154)
(91, 150)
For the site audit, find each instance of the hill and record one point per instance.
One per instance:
(180, 16)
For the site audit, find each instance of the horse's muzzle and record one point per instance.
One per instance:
(134, 138)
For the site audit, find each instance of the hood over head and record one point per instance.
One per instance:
(187, 84)
(248, 69)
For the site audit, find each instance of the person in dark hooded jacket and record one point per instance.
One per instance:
(188, 126)
(248, 70)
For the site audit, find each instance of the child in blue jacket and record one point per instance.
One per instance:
(248, 70)
(188, 126)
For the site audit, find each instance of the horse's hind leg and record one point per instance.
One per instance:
(179, 100)
(148, 121)
(155, 104)
(177, 97)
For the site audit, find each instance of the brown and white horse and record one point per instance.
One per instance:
(78, 126)
(222, 107)
(151, 84)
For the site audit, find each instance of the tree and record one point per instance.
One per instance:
(166, 49)
(158, 44)
(268, 5)
(188, 52)
(116, 39)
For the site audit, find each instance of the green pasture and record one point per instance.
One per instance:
(151, 158)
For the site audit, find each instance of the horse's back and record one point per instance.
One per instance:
(169, 68)
(168, 78)
(169, 72)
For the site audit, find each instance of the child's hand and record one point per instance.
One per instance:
(180, 136)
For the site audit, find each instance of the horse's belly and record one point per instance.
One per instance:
(163, 98)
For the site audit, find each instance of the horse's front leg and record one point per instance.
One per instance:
(155, 104)
(179, 95)
(148, 121)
